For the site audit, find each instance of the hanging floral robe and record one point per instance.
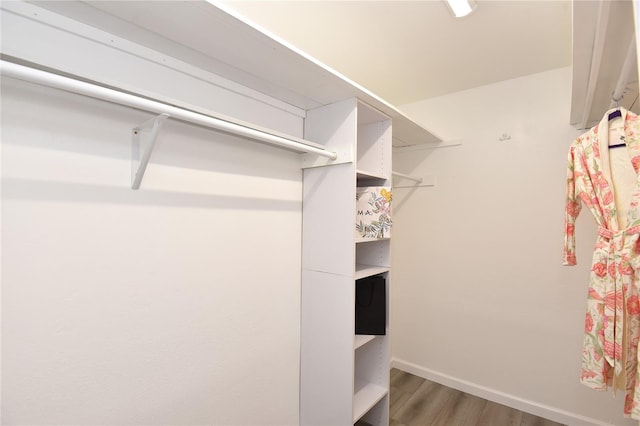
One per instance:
(606, 180)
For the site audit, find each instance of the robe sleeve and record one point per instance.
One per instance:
(571, 211)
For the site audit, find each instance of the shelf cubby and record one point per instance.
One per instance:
(371, 375)
(373, 142)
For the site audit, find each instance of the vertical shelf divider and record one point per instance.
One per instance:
(344, 377)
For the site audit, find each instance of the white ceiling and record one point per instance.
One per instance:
(405, 51)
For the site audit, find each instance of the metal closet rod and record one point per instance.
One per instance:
(402, 175)
(33, 75)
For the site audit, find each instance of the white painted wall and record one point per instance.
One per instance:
(479, 298)
(176, 304)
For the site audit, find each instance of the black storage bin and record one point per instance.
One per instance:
(371, 305)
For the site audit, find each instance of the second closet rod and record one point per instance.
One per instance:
(402, 175)
(44, 78)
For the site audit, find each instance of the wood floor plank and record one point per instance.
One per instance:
(443, 418)
(497, 414)
(394, 372)
(531, 420)
(461, 410)
(424, 405)
(405, 381)
(397, 399)
(418, 405)
(416, 401)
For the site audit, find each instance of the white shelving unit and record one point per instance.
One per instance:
(344, 376)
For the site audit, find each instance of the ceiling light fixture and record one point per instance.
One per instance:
(461, 8)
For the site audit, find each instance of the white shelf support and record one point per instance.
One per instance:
(139, 164)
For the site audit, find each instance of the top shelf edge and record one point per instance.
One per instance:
(335, 87)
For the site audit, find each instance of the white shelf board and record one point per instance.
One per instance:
(363, 271)
(239, 50)
(364, 174)
(365, 398)
(361, 340)
(369, 240)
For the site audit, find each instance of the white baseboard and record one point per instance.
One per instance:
(535, 408)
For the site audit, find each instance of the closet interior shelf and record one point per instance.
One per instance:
(212, 121)
(363, 271)
(366, 396)
(368, 175)
(361, 340)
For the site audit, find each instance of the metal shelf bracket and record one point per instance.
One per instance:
(138, 163)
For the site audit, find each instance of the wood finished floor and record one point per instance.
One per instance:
(415, 401)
